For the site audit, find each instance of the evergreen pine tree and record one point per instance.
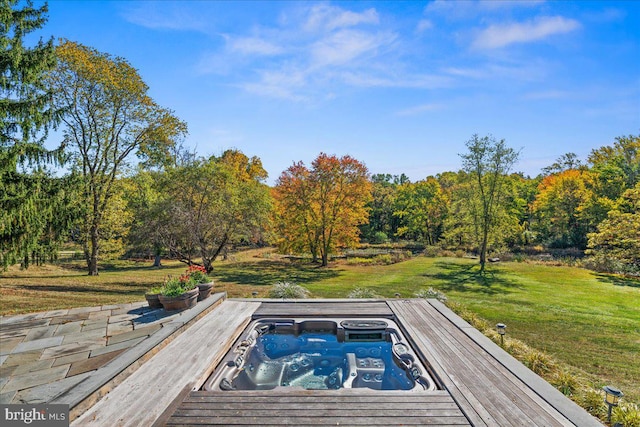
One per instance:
(31, 200)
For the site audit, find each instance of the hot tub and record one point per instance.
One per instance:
(316, 354)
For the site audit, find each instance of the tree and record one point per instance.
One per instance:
(487, 162)
(320, 209)
(619, 164)
(382, 223)
(422, 208)
(616, 244)
(557, 209)
(109, 118)
(565, 162)
(33, 203)
(211, 204)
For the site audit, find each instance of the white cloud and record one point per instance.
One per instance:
(324, 17)
(164, 15)
(344, 46)
(424, 25)
(497, 36)
(254, 46)
(419, 109)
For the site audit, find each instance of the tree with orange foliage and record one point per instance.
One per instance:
(319, 209)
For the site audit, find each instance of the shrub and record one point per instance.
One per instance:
(627, 414)
(431, 251)
(566, 382)
(380, 237)
(538, 362)
(592, 401)
(431, 293)
(363, 293)
(288, 290)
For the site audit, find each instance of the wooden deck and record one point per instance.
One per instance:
(482, 385)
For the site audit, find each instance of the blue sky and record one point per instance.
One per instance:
(398, 85)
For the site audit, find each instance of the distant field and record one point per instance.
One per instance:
(587, 320)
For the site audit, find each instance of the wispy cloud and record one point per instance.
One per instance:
(254, 46)
(164, 15)
(424, 25)
(419, 109)
(497, 36)
(345, 46)
(324, 17)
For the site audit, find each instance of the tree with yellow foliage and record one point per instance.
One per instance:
(109, 117)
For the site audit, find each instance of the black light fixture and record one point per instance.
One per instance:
(611, 397)
(254, 294)
(397, 294)
(502, 329)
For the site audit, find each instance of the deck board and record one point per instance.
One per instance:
(318, 408)
(338, 308)
(485, 389)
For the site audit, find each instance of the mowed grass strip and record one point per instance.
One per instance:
(587, 320)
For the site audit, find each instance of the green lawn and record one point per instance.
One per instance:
(587, 320)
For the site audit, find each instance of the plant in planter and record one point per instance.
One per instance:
(153, 297)
(204, 282)
(179, 293)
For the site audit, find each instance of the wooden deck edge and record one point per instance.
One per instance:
(85, 394)
(569, 409)
(310, 300)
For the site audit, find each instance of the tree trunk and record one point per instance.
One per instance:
(483, 247)
(157, 261)
(93, 257)
(325, 259)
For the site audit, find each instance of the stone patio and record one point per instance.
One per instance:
(43, 355)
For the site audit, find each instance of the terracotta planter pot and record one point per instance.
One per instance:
(180, 302)
(153, 300)
(205, 290)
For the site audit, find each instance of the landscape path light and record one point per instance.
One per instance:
(611, 397)
(502, 329)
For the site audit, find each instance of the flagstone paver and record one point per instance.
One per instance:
(43, 355)
(124, 344)
(20, 358)
(32, 379)
(33, 366)
(137, 333)
(75, 357)
(37, 344)
(67, 349)
(8, 344)
(78, 336)
(40, 332)
(93, 363)
(69, 328)
(45, 392)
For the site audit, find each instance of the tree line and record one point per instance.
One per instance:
(128, 184)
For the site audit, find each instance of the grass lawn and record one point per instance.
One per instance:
(587, 320)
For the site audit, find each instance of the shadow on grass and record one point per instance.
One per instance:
(267, 273)
(468, 278)
(113, 289)
(618, 280)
